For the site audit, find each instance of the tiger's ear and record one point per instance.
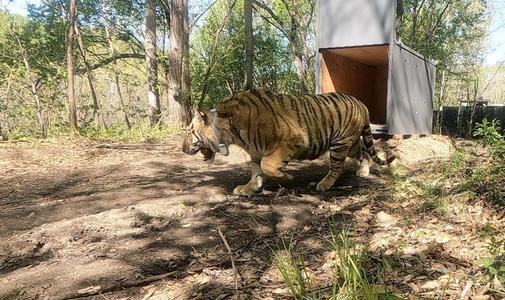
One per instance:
(203, 116)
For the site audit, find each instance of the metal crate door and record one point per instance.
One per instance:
(412, 86)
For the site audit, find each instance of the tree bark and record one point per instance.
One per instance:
(178, 77)
(248, 30)
(153, 98)
(300, 70)
(398, 19)
(72, 108)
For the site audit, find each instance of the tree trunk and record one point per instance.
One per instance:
(72, 108)
(248, 30)
(178, 77)
(440, 119)
(153, 98)
(97, 115)
(300, 69)
(116, 75)
(398, 19)
(33, 86)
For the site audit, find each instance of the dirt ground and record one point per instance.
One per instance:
(118, 221)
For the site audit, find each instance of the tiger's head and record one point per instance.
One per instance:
(203, 135)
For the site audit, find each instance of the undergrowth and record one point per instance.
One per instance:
(114, 133)
(351, 277)
(133, 135)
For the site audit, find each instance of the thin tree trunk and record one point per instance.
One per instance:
(121, 102)
(415, 17)
(97, 115)
(178, 79)
(299, 69)
(186, 69)
(248, 30)
(398, 19)
(33, 86)
(212, 59)
(472, 111)
(72, 12)
(153, 98)
(116, 75)
(440, 119)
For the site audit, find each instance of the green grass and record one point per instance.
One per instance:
(488, 181)
(136, 134)
(291, 266)
(114, 133)
(351, 281)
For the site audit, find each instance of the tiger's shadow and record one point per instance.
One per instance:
(304, 173)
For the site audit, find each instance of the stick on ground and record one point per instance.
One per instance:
(235, 273)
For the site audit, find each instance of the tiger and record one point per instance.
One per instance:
(277, 128)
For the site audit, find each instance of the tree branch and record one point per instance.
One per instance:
(281, 26)
(110, 60)
(195, 19)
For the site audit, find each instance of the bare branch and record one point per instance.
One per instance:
(112, 59)
(195, 20)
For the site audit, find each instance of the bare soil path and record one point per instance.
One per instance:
(79, 219)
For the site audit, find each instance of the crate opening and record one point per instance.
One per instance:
(358, 71)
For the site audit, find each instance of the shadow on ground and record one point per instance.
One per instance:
(112, 226)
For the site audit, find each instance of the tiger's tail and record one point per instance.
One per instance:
(366, 133)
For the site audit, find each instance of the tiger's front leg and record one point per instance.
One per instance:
(254, 184)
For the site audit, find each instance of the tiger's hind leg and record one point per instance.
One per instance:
(357, 152)
(338, 154)
(256, 180)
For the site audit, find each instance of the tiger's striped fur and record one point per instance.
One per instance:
(275, 129)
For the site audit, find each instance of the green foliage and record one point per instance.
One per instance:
(455, 164)
(494, 265)
(488, 132)
(218, 60)
(488, 181)
(137, 134)
(433, 199)
(450, 32)
(491, 135)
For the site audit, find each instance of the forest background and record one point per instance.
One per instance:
(136, 69)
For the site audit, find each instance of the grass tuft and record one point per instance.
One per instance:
(291, 266)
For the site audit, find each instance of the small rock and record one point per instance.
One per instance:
(91, 289)
(384, 220)
(430, 285)
(481, 297)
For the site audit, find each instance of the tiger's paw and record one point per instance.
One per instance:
(312, 185)
(288, 176)
(244, 190)
(363, 172)
(324, 185)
